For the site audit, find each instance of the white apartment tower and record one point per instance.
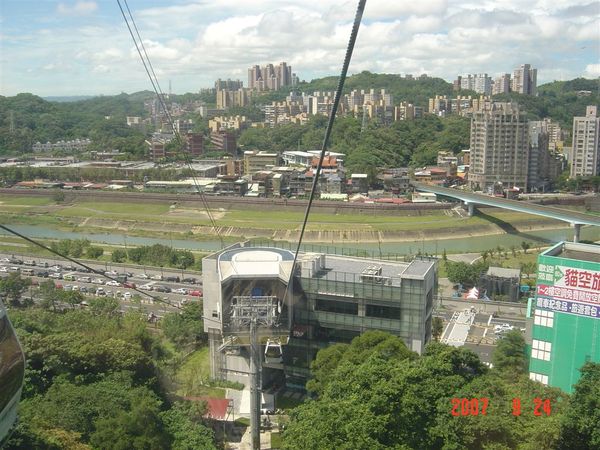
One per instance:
(501, 84)
(525, 80)
(480, 83)
(499, 147)
(584, 158)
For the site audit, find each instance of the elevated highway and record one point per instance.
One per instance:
(471, 200)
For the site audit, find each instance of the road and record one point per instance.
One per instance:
(82, 280)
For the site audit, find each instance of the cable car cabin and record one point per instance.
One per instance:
(273, 352)
(12, 370)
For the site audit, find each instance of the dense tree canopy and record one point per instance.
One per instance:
(91, 383)
(375, 394)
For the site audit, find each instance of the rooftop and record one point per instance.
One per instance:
(572, 250)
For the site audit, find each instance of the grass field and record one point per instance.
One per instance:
(194, 374)
(90, 209)
(30, 209)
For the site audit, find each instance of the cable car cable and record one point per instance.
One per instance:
(338, 94)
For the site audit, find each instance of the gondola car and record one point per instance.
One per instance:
(12, 371)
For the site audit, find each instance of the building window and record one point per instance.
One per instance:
(336, 306)
(544, 318)
(541, 350)
(383, 312)
(538, 377)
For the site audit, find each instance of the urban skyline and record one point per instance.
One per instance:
(92, 53)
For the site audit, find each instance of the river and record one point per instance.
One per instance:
(436, 246)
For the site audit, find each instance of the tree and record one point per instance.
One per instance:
(94, 252)
(181, 421)
(528, 268)
(13, 287)
(118, 255)
(509, 356)
(185, 327)
(140, 428)
(525, 246)
(437, 327)
(580, 425)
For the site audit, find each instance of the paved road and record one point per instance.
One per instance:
(140, 276)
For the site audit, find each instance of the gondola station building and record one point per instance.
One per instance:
(563, 320)
(330, 299)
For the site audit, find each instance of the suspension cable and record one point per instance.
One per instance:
(338, 95)
(149, 68)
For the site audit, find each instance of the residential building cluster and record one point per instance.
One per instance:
(75, 145)
(524, 81)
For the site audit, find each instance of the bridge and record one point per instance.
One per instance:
(472, 199)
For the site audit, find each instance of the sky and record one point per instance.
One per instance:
(83, 47)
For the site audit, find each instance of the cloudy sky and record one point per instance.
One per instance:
(83, 47)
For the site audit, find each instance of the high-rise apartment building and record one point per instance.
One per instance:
(232, 85)
(525, 80)
(545, 164)
(499, 147)
(584, 159)
(270, 77)
(501, 84)
(563, 320)
(480, 83)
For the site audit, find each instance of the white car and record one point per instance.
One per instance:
(56, 275)
(98, 281)
(127, 295)
(3, 269)
(158, 276)
(146, 287)
(113, 283)
(183, 291)
(143, 276)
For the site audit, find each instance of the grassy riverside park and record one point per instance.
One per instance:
(156, 219)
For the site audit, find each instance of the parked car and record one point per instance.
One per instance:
(83, 289)
(56, 275)
(100, 291)
(147, 287)
(113, 283)
(157, 276)
(127, 295)
(42, 274)
(190, 280)
(29, 262)
(129, 284)
(3, 269)
(143, 276)
(172, 279)
(161, 288)
(183, 291)
(98, 281)
(197, 293)
(84, 279)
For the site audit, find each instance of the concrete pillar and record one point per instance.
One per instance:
(471, 208)
(577, 234)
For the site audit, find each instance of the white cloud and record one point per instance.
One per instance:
(80, 8)
(193, 42)
(592, 71)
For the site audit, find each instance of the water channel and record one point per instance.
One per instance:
(473, 244)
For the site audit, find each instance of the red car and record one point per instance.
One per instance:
(129, 284)
(196, 293)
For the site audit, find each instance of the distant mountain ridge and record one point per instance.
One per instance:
(68, 98)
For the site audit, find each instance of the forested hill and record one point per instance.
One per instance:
(414, 90)
(26, 118)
